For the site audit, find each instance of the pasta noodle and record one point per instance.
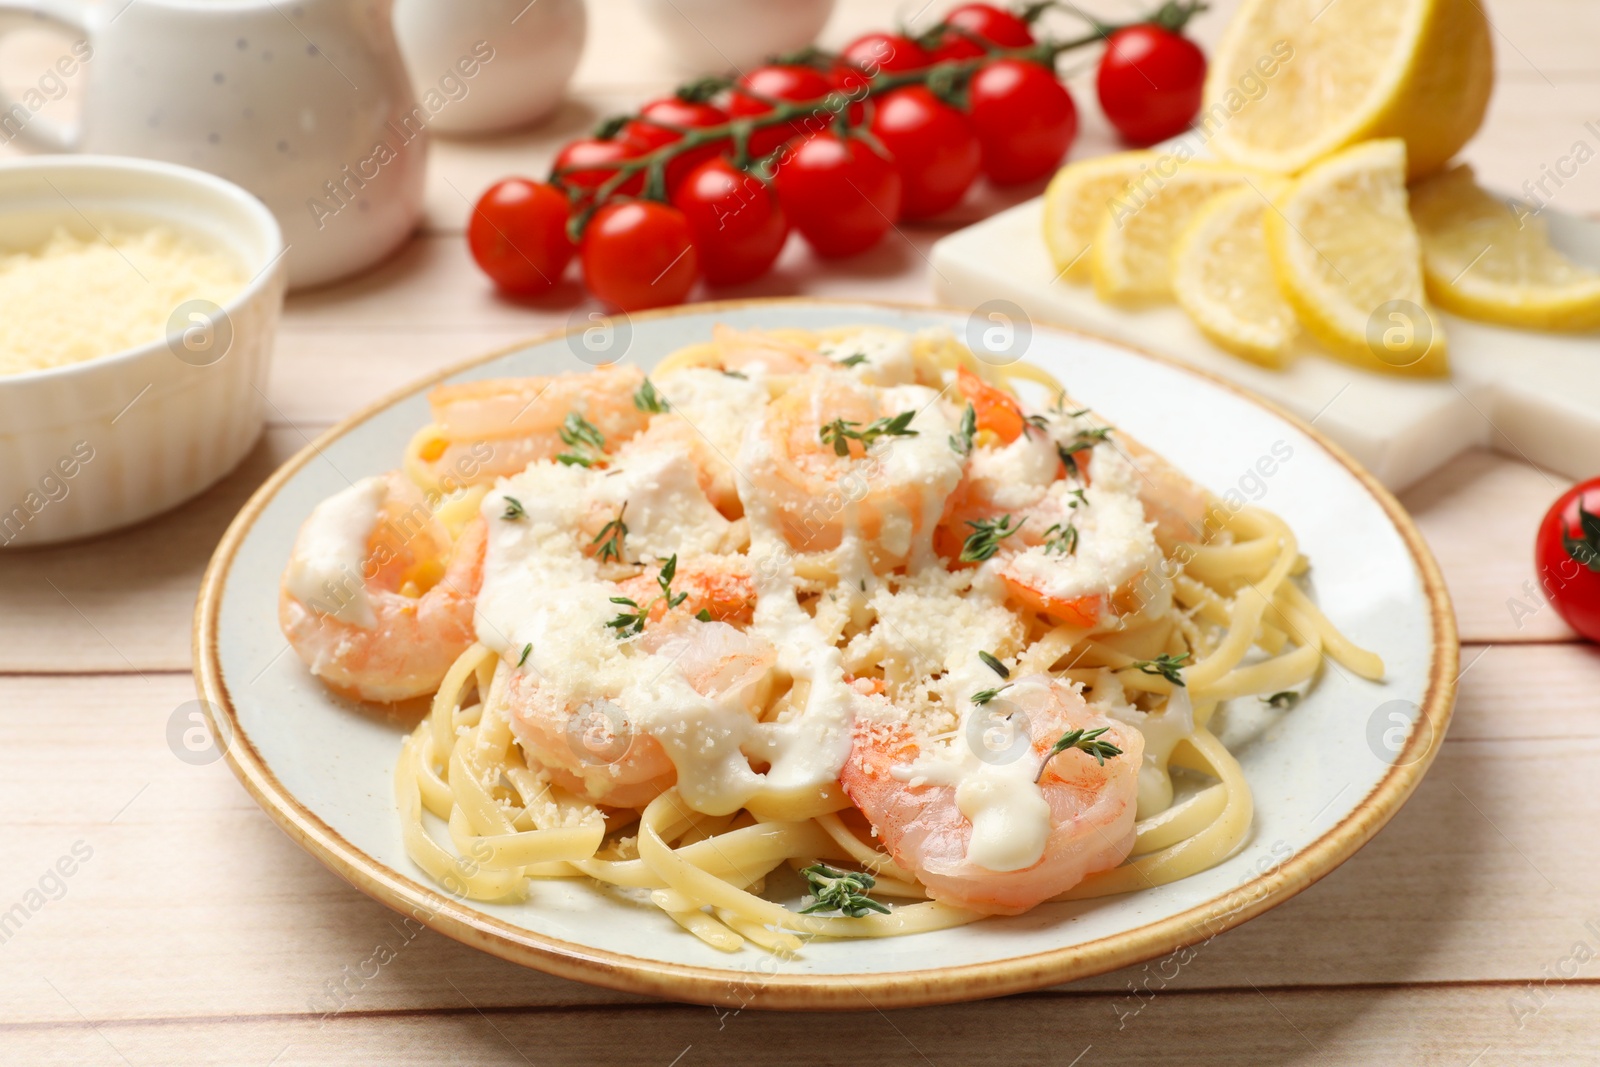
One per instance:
(815, 735)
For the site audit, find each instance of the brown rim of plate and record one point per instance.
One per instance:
(751, 989)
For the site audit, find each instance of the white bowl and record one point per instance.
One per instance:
(718, 35)
(91, 446)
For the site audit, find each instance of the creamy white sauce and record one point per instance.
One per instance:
(888, 355)
(991, 763)
(667, 511)
(326, 568)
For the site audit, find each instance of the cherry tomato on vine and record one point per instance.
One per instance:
(638, 254)
(592, 155)
(1024, 117)
(885, 53)
(839, 193)
(650, 131)
(779, 82)
(1566, 554)
(518, 235)
(1150, 83)
(735, 221)
(933, 148)
(993, 24)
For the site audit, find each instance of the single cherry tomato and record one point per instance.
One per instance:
(1024, 117)
(638, 254)
(661, 122)
(518, 235)
(839, 193)
(885, 53)
(993, 24)
(933, 148)
(592, 155)
(1567, 556)
(796, 84)
(1150, 83)
(734, 218)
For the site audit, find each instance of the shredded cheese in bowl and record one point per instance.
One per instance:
(75, 299)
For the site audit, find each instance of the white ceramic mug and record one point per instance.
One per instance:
(305, 103)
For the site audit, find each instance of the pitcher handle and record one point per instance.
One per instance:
(19, 123)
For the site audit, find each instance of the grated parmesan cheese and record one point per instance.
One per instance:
(75, 299)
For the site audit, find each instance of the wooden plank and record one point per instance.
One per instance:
(1480, 514)
(1475, 879)
(1454, 1025)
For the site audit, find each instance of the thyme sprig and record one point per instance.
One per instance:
(961, 440)
(1166, 665)
(578, 433)
(854, 359)
(841, 891)
(984, 540)
(994, 664)
(840, 432)
(1288, 698)
(514, 509)
(983, 696)
(610, 537)
(645, 398)
(1084, 741)
(631, 623)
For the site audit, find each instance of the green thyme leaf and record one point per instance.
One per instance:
(514, 509)
(1166, 665)
(961, 441)
(610, 537)
(1083, 741)
(1286, 699)
(645, 398)
(994, 664)
(984, 541)
(841, 891)
(524, 657)
(983, 696)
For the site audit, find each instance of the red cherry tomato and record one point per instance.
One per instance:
(840, 194)
(518, 235)
(885, 53)
(1150, 83)
(992, 24)
(933, 148)
(792, 83)
(638, 254)
(1024, 117)
(734, 218)
(1567, 556)
(591, 155)
(647, 136)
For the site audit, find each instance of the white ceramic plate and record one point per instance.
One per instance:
(1325, 775)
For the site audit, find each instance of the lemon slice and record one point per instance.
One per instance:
(1292, 82)
(1075, 201)
(1485, 260)
(1132, 251)
(1222, 277)
(1348, 258)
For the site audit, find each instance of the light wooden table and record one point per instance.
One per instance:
(195, 932)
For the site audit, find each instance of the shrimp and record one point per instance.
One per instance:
(768, 353)
(594, 747)
(376, 600)
(489, 429)
(833, 457)
(939, 826)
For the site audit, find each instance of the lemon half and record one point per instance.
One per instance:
(1293, 81)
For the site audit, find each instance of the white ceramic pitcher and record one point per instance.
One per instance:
(303, 102)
